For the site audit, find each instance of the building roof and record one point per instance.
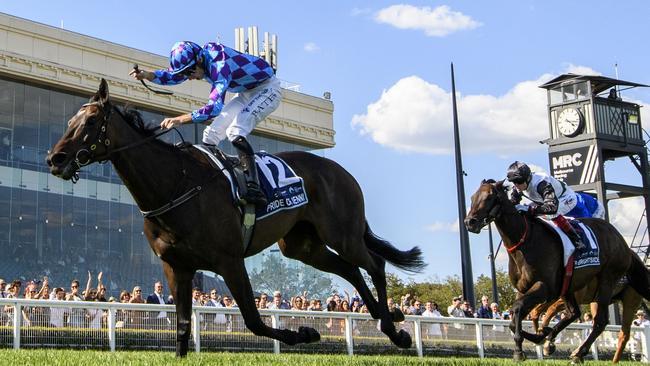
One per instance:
(598, 83)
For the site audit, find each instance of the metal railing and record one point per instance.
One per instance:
(116, 326)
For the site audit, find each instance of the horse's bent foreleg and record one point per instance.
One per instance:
(552, 310)
(236, 279)
(522, 306)
(536, 313)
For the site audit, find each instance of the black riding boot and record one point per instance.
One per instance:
(570, 231)
(247, 158)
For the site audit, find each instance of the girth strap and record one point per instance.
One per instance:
(173, 204)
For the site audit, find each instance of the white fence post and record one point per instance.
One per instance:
(111, 328)
(594, 351)
(275, 320)
(479, 338)
(348, 335)
(645, 344)
(196, 329)
(17, 318)
(417, 328)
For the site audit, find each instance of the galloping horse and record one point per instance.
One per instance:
(536, 267)
(205, 231)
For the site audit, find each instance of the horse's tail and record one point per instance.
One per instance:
(408, 260)
(639, 277)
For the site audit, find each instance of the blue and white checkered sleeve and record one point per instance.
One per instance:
(163, 77)
(214, 105)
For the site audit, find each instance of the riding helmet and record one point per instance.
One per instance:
(519, 172)
(184, 55)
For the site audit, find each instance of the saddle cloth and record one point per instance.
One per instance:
(590, 256)
(283, 189)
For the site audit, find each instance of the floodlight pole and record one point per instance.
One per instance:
(465, 254)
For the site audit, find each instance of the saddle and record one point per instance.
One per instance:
(233, 167)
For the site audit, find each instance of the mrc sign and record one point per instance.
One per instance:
(576, 166)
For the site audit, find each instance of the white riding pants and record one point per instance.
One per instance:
(243, 112)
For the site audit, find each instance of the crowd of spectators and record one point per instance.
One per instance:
(96, 318)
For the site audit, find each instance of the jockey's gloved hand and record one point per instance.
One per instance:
(526, 209)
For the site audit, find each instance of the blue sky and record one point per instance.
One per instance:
(387, 67)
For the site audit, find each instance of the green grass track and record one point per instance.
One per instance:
(70, 357)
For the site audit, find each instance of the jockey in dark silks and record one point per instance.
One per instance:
(227, 70)
(551, 198)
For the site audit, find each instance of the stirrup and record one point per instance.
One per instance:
(253, 196)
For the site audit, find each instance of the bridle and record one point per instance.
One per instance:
(102, 139)
(494, 213)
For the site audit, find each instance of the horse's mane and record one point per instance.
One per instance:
(134, 118)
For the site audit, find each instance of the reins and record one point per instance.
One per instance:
(523, 237)
(101, 138)
(496, 212)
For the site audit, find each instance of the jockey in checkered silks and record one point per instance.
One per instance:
(551, 198)
(227, 70)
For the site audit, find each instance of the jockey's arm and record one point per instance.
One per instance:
(176, 121)
(550, 205)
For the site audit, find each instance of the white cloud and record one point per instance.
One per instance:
(416, 116)
(436, 22)
(311, 47)
(624, 214)
(444, 226)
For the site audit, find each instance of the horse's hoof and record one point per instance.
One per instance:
(518, 356)
(397, 315)
(403, 339)
(549, 348)
(576, 360)
(308, 335)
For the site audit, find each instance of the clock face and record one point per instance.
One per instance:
(570, 122)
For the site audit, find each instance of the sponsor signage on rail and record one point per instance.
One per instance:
(577, 166)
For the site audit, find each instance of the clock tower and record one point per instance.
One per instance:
(591, 124)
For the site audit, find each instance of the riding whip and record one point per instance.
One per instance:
(164, 92)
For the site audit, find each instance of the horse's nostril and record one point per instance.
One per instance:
(471, 221)
(56, 159)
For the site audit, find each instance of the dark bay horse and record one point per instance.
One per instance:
(205, 232)
(536, 267)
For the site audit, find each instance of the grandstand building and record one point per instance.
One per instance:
(53, 227)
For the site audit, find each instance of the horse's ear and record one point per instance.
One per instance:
(488, 181)
(102, 94)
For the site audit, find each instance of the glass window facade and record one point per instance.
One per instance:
(51, 227)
